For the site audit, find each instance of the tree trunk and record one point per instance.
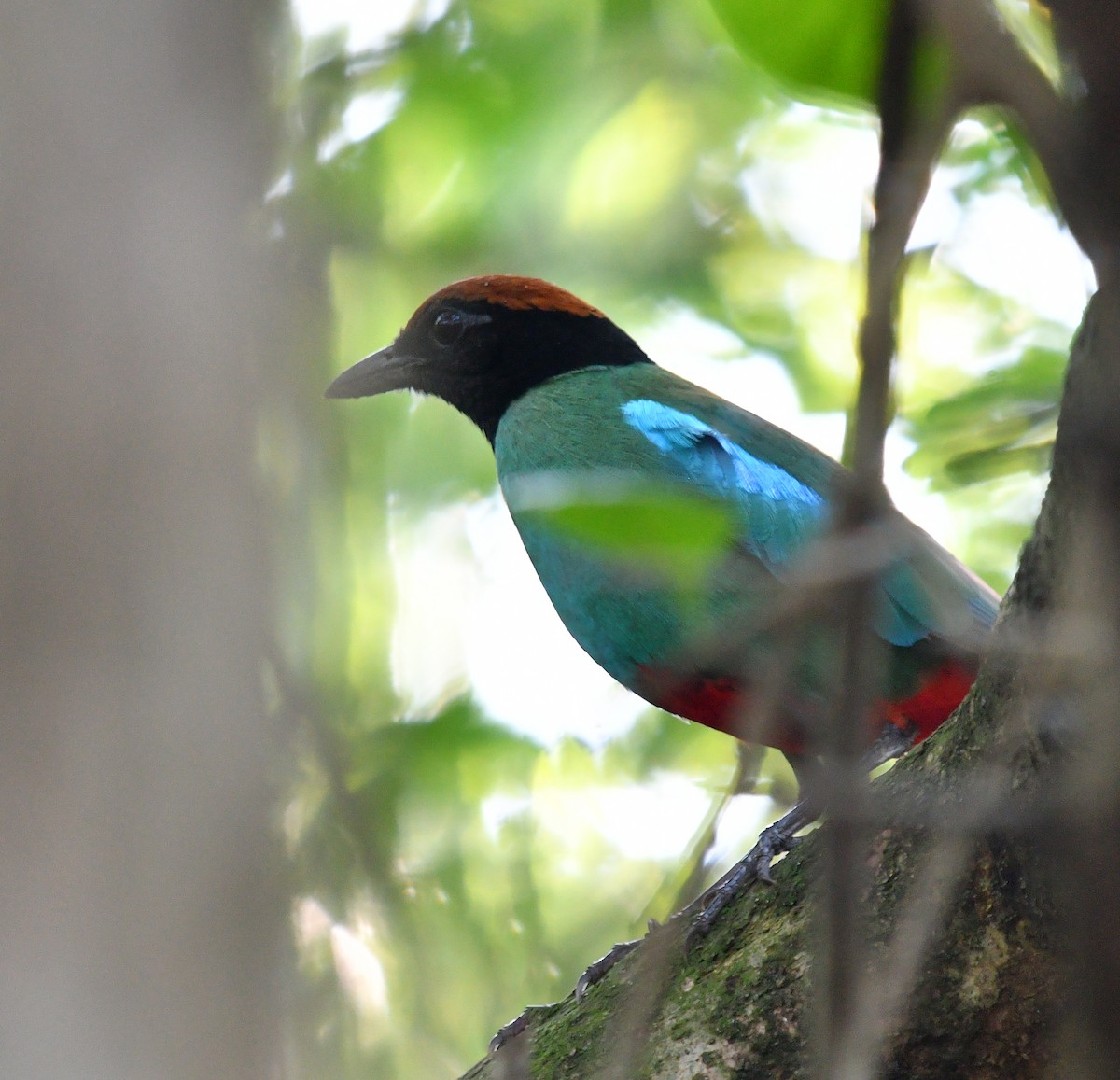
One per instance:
(141, 903)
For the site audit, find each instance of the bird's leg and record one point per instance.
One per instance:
(893, 741)
(780, 837)
(774, 840)
(754, 866)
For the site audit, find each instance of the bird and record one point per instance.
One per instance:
(579, 416)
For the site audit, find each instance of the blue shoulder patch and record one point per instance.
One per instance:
(780, 514)
(780, 511)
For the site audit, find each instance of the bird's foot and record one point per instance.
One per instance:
(507, 1031)
(589, 978)
(754, 866)
(774, 840)
(597, 970)
(517, 1025)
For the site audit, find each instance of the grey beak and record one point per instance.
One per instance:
(376, 374)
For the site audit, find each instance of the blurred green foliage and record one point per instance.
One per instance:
(817, 47)
(448, 867)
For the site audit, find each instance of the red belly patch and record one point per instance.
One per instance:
(940, 692)
(722, 703)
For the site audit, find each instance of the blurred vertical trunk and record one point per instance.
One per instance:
(139, 904)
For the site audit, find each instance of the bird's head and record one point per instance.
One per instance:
(481, 343)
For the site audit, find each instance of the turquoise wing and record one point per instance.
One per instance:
(647, 422)
(924, 592)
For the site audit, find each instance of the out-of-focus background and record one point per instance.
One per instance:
(469, 811)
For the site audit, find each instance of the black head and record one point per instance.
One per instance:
(481, 343)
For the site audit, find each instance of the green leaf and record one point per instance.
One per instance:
(817, 46)
(1001, 425)
(1000, 461)
(825, 49)
(652, 528)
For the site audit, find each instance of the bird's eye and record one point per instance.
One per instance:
(448, 327)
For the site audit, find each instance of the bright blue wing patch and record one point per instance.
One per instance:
(780, 512)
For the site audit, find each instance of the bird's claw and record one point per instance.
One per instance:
(601, 966)
(504, 1034)
(755, 866)
(589, 978)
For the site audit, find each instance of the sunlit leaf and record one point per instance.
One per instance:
(648, 527)
(819, 46)
(1030, 22)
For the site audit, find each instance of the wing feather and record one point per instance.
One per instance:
(781, 513)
